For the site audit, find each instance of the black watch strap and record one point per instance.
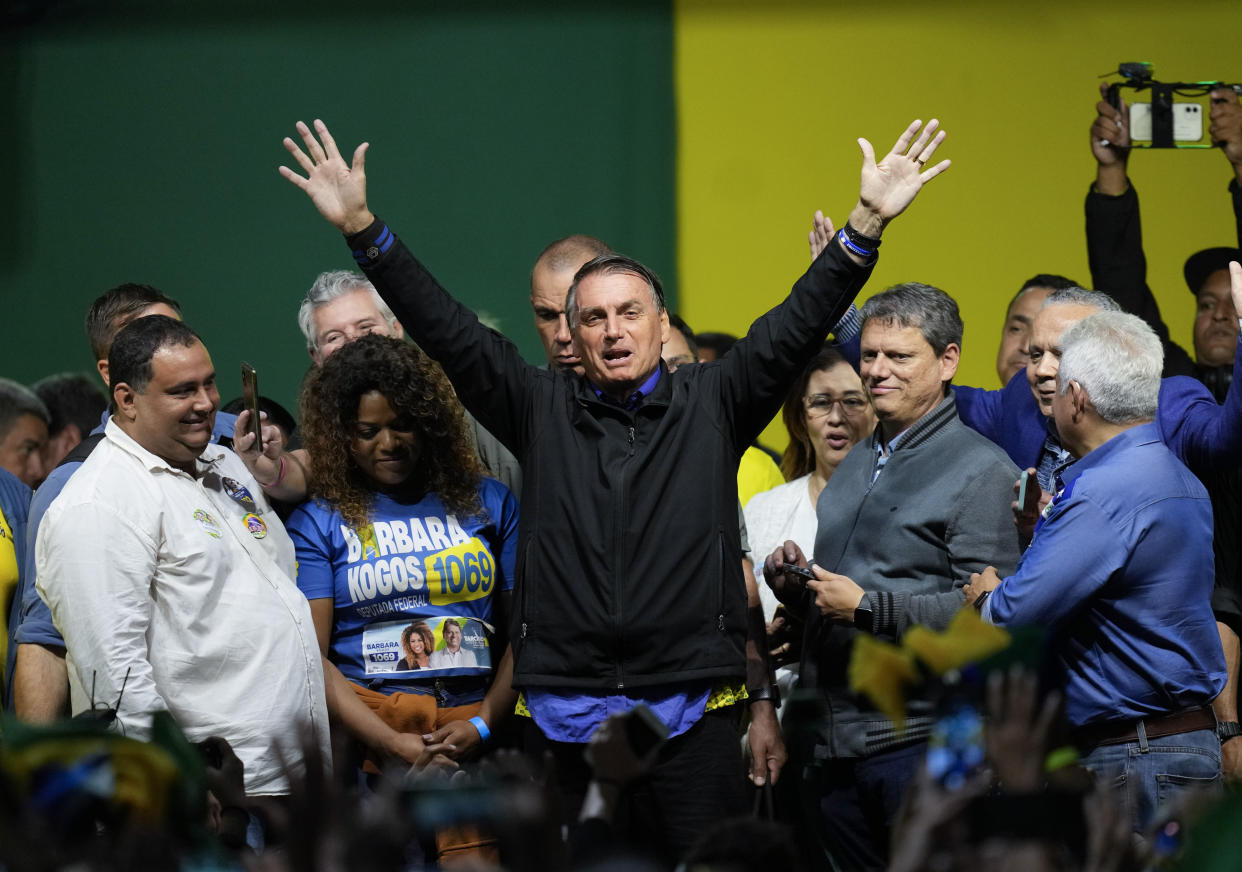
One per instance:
(864, 619)
(768, 692)
(1228, 730)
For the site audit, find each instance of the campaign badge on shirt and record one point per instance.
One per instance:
(255, 525)
(208, 523)
(238, 493)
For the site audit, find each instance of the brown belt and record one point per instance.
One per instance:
(1120, 732)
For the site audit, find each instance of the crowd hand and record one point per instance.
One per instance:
(987, 580)
(226, 781)
(1110, 132)
(1225, 124)
(821, 233)
(1235, 285)
(612, 759)
(932, 819)
(461, 735)
(836, 596)
(888, 186)
(1016, 735)
(338, 190)
(782, 634)
(767, 745)
(226, 792)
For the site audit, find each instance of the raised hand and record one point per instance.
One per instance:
(338, 190)
(1225, 129)
(891, 184)
(1110, 132)
(1235, 285)
(821, 233)
(1019, 725)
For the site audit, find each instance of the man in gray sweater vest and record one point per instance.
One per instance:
(903, 522)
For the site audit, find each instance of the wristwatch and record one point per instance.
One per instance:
(1226, 730)
(768, 691)
(864, 618)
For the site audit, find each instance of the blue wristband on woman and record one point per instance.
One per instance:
(481, 726)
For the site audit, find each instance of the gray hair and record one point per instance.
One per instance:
(607, 264)
(1117, 359)
(329, 286)
(17, 400)
(1076, 296)
(914, 304)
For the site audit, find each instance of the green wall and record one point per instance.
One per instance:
(145, 143)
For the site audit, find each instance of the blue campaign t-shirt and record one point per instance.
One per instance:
(408, 584)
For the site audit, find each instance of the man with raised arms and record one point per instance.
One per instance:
(627, 591)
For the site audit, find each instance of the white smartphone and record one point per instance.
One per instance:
(1187, 122)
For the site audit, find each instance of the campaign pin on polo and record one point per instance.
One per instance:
(208, 523)
(255, 525)
(239, 494)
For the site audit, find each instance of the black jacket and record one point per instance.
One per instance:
(629, 570)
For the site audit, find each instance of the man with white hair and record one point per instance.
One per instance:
(1120, 574)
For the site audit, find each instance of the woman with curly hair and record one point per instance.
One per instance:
(403, 531)
(417, 642)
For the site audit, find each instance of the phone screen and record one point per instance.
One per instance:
(955, 747)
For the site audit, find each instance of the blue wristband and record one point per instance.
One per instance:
(481, 726)
(845, 240)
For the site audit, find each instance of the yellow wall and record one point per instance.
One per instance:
(772, 96)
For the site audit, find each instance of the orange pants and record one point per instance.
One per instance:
(413, 712)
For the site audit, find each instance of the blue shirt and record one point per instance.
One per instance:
(414, 565)
(14, 504)
(1203, 434)
(30, 622)
(1121, 574)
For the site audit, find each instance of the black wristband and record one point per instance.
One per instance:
(981, 599)
(1228, 730)
(871, 243)
(768, 692)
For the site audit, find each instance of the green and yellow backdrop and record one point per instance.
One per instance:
(141, 141)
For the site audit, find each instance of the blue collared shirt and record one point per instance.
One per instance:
(1121, 574)
(632, 401)
(884, 452)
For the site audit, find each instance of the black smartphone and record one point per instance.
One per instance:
(798, 570)
(250, 396)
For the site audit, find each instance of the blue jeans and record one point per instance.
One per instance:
(1150, 774)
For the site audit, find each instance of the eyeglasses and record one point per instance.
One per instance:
(819, 405)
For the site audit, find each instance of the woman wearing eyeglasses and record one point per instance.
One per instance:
(827, 411)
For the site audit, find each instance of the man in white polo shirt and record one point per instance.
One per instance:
(171, 578)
